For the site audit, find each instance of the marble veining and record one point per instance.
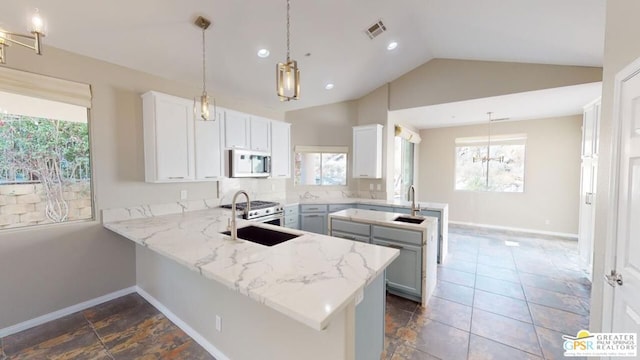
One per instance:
(308, 278)
(382, 218)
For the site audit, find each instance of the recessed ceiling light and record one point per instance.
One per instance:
(329, 86)
(263, 53)
(392, 45)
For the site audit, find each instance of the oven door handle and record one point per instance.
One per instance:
(264, 219)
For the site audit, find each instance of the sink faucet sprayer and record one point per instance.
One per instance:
(412, 197)
(233, 226)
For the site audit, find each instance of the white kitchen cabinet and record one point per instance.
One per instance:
(209, 158)
(280, 150)
(236, 130)
(168, 138)
(260, 134)
(367, 151)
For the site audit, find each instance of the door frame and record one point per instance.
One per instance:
(629, 71)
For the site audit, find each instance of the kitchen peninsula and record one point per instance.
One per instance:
(298, 299)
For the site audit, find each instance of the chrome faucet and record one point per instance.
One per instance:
(233, 226)
(412, 197)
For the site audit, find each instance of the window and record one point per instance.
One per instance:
(320, 165)
(495, 165)
(403, 167)
(45, 169)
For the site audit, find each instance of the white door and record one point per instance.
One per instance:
(260, 135)
(626, 292)
(236, 130)
(208, 148)
(280, 150)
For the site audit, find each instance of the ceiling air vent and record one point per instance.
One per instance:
(375, 29)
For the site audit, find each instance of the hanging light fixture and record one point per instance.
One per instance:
(205, 115)
(37, 33)
(486, 158)
(288, 74)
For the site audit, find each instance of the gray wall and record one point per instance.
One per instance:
(48, 268)
(552, 176)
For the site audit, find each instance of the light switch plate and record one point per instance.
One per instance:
(370, 186)
(183, 194)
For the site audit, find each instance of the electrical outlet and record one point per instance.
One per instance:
(183, 194)
(371, 186)
(218, 323)
(547, 222)
(379, 187)
(273, 187)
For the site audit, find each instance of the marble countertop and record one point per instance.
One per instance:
(308, 278)
(397, 203)
(382, 218)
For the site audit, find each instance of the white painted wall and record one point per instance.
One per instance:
(552, 176)
(622, 46)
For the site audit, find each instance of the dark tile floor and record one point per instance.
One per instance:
(124, 328)
(494, 301)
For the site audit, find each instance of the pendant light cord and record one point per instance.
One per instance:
(204, 68)
(288, 27)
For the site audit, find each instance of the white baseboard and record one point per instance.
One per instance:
(182, 325)
(64, 312)
(530, 231)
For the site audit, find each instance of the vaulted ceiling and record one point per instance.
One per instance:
(158, 37)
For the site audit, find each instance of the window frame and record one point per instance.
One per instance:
(321, 150)
(489, 141)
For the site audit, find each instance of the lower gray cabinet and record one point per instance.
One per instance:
(314, 222)
(404, 273)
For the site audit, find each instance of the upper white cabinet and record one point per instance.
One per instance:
(236, 130)
(178, 146)
(168, 138)
(591, 129)
(367, 151)
(260, 134)
(280, 150)
(208, 150)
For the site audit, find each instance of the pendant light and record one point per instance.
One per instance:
(204, 23)
(288, 74)
(37, 33)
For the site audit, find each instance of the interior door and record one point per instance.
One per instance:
(626, 292)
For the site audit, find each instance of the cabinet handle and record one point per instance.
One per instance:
(312, 215)
(176, 177)
(347, 237)
(282, 175)
(210, 177)
(364, 175)
(312, 208)
(399, 247)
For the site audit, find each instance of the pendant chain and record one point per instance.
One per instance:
(204, 68)
(288, 31)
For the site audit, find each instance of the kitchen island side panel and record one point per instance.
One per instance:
(249, 330)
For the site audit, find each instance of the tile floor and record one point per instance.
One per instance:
(492, 302)
(124, 328)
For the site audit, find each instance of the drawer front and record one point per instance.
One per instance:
(351, 227)
(393, 234)
(290, 219)
(313, 208)
(291, 210)
(375, 207)
(352, 237)
(338, 207)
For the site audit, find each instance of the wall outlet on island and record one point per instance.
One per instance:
(547, 222)
(218, 323)
(370, 186)
(379, 187)
(183, 194)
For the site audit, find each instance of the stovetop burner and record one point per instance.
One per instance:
(255, 205)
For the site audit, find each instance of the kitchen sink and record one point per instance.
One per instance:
(263, 236)
(407, 219)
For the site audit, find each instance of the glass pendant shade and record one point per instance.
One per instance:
(288, 80)
(204, 106)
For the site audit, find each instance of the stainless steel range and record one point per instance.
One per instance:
(261, 211)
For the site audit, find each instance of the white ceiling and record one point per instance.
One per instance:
(563, 101)
(158, 36)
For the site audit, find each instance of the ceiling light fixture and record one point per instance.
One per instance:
(329, 86)
(392, 45)
(37, 33)
(203, 24)
(263, 53)
(288, 74)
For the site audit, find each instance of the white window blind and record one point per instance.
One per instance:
(45, 87)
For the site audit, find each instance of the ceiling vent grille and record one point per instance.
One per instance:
(376, 29)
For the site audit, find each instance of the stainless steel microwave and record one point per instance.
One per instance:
(249, 163)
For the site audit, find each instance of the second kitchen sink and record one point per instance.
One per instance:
(407, 219)
(263, 236)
